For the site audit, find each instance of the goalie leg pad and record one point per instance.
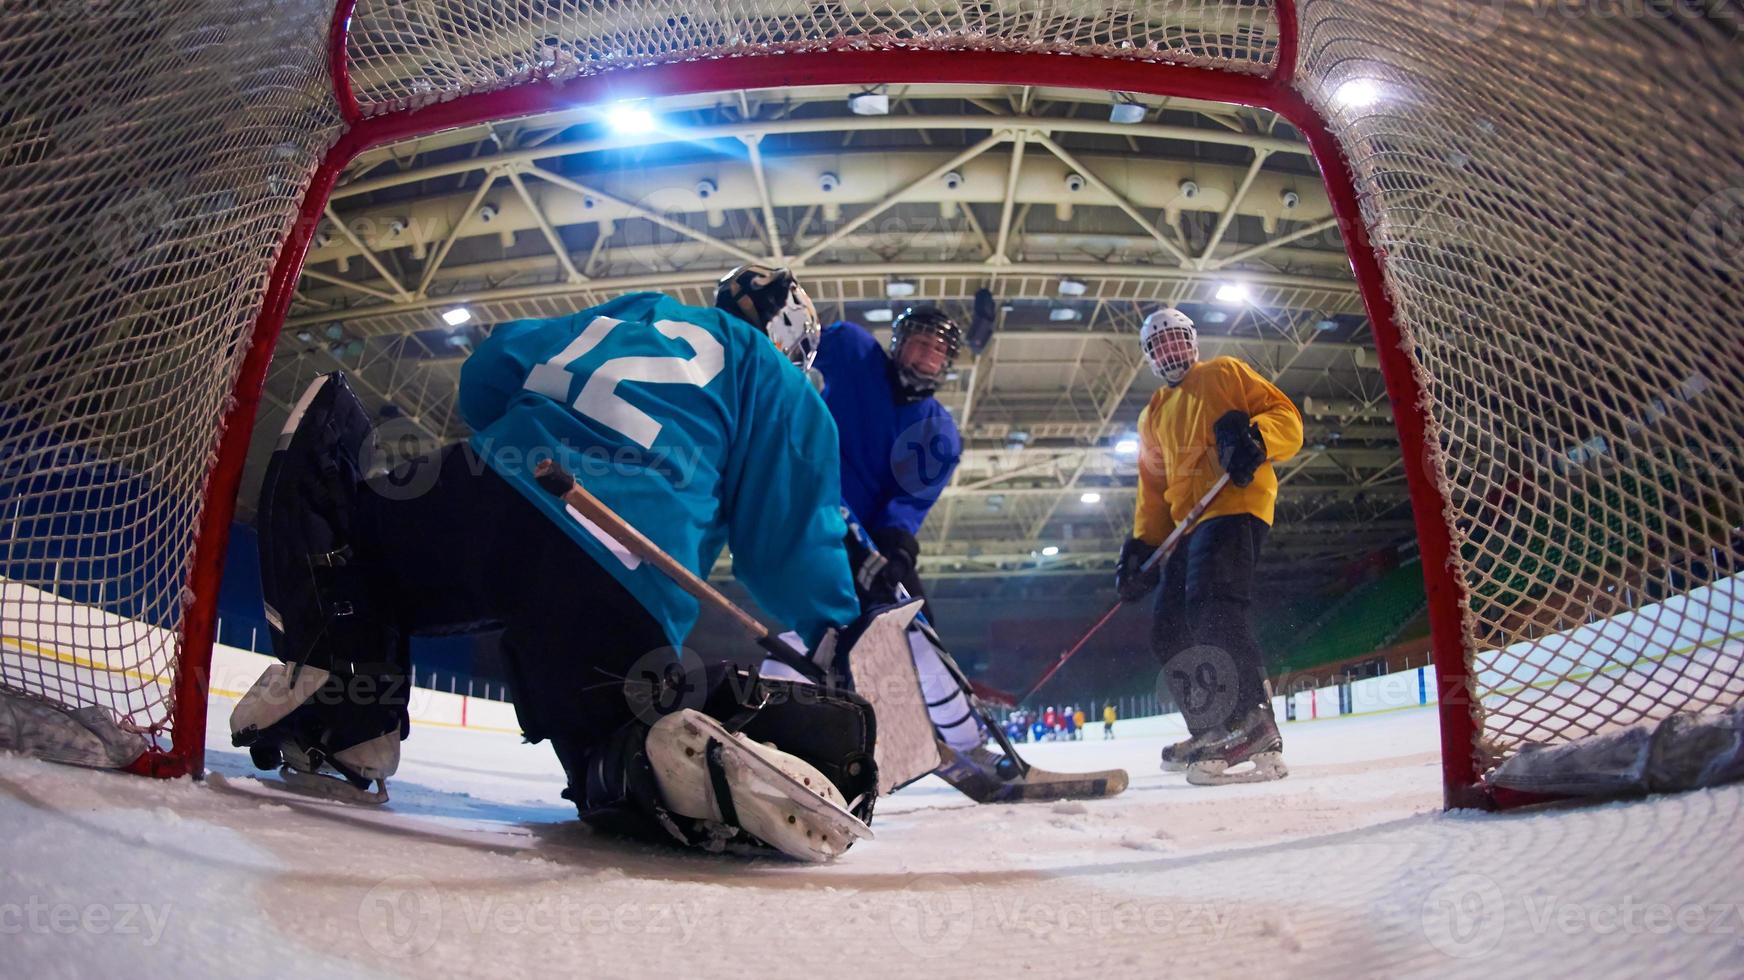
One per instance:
(307, 718)
(321, 606)
(614, 784)
(715, 776)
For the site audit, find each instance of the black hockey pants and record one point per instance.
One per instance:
(470, 554)
(1211, 662)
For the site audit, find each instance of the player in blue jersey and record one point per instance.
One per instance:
(899, 448)
(691, 425)
(899, 445)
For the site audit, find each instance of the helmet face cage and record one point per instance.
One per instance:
(927, 321)
(795, 328)
(1171, 344)
(774, 302)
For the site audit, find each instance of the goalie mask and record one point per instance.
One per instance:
(1170, 343)
(774, 302)
(923, 344)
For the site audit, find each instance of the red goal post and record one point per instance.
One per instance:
(1495, 134)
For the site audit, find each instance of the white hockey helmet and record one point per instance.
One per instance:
(773, 301)
(1170, 343)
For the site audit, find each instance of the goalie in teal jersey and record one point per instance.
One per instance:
(699, 427)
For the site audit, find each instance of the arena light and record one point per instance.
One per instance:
(457, 316)
(1126, 113)
(1232, 292)
(1091, 497)
(1358, 93)
(870, 103)
(879, 315)
(1050, 551)
(630, 119)
(1072, 287)
(899, 289)
(1061, 314)
(1127, 447)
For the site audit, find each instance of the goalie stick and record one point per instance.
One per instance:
(560, 483)
(1161, 554)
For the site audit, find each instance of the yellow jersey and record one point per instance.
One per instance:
(1178, 450)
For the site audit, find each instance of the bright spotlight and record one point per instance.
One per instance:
(457, 316)
(1050, 551)
(879, 315)
(1232, 292)
(1358, 93)
(1090, 498)
(1127, 447)
(630, 119)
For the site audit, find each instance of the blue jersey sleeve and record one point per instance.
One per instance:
(782, 499)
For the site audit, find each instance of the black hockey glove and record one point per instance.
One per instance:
(1130, 579)
(1240, 447)
(900, 551)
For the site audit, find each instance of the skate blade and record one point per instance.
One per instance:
(1267, 766)
(326, 787)
(783, 788)
(1168, 766)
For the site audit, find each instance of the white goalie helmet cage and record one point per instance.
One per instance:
(774, 301)
(1171, 344)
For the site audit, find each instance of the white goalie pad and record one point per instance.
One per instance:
(882, 666)
(80, 737)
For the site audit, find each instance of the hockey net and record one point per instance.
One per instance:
(1544, 205)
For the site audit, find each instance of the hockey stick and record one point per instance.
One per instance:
(1162, 553)
(558, 482)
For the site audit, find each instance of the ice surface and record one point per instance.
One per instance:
(477, 868)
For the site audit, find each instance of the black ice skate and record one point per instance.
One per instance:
(1253, 741)
(1175, 755)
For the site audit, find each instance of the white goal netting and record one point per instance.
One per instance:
(1557, 192)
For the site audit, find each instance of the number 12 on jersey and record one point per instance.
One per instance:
(599, 399)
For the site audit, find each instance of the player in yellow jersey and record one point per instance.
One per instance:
(1209, 418)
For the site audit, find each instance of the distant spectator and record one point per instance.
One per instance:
(1078, 720)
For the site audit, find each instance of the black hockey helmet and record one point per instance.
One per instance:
(773, 301)
(923, 343)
